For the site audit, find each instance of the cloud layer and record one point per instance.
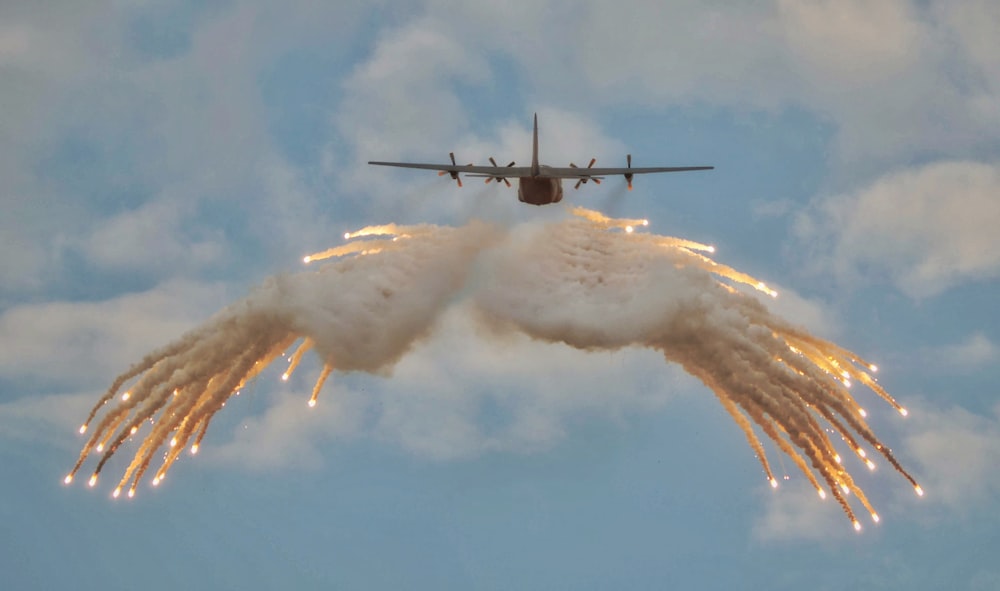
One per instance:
(927, 229)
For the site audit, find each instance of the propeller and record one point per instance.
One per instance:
(629, 175)
(584, 179)
(453, 173)
(498, 178)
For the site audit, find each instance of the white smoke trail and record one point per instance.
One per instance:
(591, 282)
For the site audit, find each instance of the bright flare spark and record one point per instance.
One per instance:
(628, 288)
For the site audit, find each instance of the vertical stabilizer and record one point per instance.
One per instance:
(535, 168)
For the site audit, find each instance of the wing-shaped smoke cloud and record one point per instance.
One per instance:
(589, 281)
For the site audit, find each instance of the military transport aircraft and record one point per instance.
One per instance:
(539, 184)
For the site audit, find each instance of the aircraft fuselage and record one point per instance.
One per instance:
(539, 190)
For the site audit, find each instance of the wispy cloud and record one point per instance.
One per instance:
(794, 512)
(50, 420)
(899, 80)
(927, 228)
(974, 352)
(956, 452)
(67, 344)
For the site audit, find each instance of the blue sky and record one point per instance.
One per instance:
(159, 160)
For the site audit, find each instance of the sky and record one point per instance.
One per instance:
(160, 160)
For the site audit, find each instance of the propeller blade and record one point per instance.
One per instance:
(454, 174)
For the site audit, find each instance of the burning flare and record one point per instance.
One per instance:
(589, 281)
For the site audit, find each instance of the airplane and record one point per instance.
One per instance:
(538, 184)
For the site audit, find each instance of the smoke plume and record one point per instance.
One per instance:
(589, 281)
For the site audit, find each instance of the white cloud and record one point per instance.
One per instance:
(402, 103)
(163, 134)
(897, 80)
(154, 236)
(976, 351)
(52, 419)
(459, 395)
(466, 392)
(289, 434)
(958, 452)
(90, 342)
(851, 40)
(795, 512)
(954, 453)
(926, 228)
(407, 84)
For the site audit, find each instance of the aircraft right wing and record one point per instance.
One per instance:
(492, 173)
(502, 171)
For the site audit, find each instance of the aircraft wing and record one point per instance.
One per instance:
(583, 172)
(509, 172)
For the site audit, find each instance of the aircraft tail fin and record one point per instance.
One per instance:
(535, 168)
